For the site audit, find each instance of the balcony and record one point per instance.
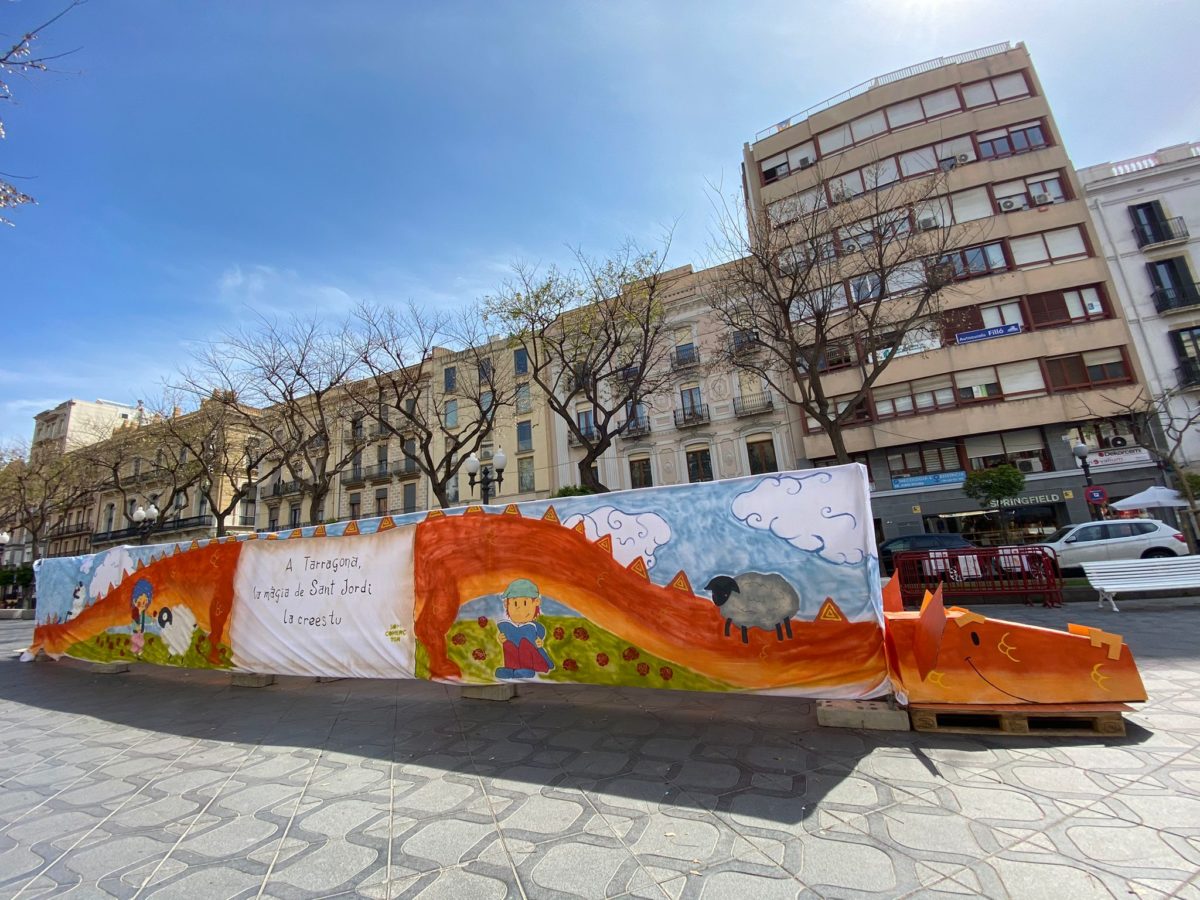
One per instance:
(1155, 234)
(66, 530)
(753, 404)
(691, 416)
(406, 468)
(380, 430)
(625, 375)
(1189, 373)
(243, 521)
(744, 342)
(355, 435)
(355, 475)
(589, 435)
(637, 427)
(280, 489)
(685, 357)
(163, 527)
(1179, 296)
(380, 472)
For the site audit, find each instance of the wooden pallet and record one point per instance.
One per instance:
(1050, 719)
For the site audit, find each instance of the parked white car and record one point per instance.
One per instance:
(1115, 539)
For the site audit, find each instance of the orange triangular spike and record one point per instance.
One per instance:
(386, 522)
(551, 515)
(580, 527)
(605, 543)
(927, 643)
(680, 582)
(434, 513)
(830, 612)
(475, 510)
(638, 567)
(272, 536)
(195, 545)
(295, 533)
(511, 510)
(352, 527)
(124, 574)
(893, 601)
(319, 531)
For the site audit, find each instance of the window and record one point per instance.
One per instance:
(968, 206)
(409, 497)
(860, 414)
(110, 514)
(1006, 312)
(921, 338)
(940, 103)
(1066, 307)
(525, 482)
(843, 187)
(866, 127)
(451, 416)
(273, 518)
(835, 139)
(690, 399)
(1025, 449)
(293, 516)
(520, 361)
(639, 473)
(381, 501)
(866, 287)
(975, 261)
(995, 90)
(1186, 342)
(761, 454)
(1174, 286)
(1081, 370)
(449, 378)
(1151, 225)
(586, 420)
(524, 402)
(1024, 377)
(783, 164)
(977, 384)
(1034, 250)
(837, 355)
(486, 401)
(485, 371)
(202, 504)
(924, 459)
(524, 437)
(1100, 433)
(699, 465)
(355, 505)
(1012, 140)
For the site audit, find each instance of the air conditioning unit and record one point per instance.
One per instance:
(963, 158)
(948, 163)
(805, 162)
(849, 247)
(1008, 205)
(1030, 465)
(1042, 200)
(928, 223)
(1118, 441)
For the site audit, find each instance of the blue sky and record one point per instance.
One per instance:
(199, 161)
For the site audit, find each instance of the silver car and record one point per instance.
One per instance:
(1115, 539)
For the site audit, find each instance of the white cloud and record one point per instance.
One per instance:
(633, 534)
(822, 512)
(266, 289)
(108, 571)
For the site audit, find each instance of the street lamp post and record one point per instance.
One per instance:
(487, 478)
(143, 521)
(1081, 452)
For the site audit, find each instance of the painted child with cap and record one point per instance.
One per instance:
(522, 636)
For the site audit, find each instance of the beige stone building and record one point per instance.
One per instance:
(1043, 357)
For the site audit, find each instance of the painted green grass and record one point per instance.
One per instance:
(581, 651)
(116, 648)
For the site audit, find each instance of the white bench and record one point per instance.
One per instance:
(1123, 576)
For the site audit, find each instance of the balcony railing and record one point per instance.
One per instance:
(1166, 231)
(245, 521)
(744, 342)
(281, 489)
(356, 475)
(406, 468)
(753, 404)
(66, 530)
(163, 527)
(638, 426)
(691, 416)
(589, 434)
(1179, 296)
(1189, 373)
(355, 435)
(379, 472)
(379, 430)
(684, 357)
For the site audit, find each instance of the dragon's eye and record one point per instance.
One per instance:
(975, 638)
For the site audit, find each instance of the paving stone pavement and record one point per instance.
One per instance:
(163, 783)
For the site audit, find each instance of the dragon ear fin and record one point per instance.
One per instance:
(930, 625)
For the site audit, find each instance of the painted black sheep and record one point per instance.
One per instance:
(755, 600)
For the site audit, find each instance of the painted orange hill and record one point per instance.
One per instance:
(200, 578)
(459, 558)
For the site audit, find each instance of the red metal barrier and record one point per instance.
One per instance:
(1028, 572)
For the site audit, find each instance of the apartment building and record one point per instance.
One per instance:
(74, 423)
(1145, 209)
(1041, 358)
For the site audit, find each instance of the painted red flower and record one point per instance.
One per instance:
(483, 620)
(478, 654)
(602, 659)
(666, 673)
(630, 654)
(580, 634)
(458, 640)
(559, 634)
(570, 665)
(643, 669)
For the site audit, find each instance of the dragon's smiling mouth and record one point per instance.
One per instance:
(996, 686)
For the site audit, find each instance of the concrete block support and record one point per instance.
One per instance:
(251, 679)
(108, 668)
(488, 691)
(874, 715)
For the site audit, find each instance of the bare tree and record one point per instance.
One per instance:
(597, 342)
(21, 60)
(37, 489)
(284, 386)
(850, 272)
(440, 420)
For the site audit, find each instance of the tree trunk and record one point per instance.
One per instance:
(588, 478)
(220, 517)
(315, 501)
(838, 441)
(440, 494)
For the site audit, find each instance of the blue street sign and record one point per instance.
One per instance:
(986, 334)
